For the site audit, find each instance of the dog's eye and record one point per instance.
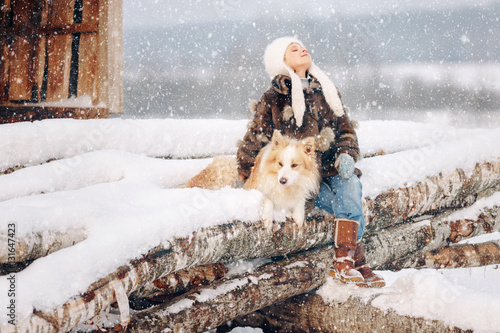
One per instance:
(294, 165)
(280, 164)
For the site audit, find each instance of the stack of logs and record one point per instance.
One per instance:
(187, 287)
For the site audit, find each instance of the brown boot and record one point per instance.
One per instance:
(345, 246)
(371, 280)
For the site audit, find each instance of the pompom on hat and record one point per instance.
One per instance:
(274, 61)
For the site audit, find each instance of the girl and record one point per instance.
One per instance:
(303, 102)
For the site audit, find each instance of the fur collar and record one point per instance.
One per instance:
(283, 84)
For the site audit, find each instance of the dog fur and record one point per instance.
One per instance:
(285, 171)
(220, 173)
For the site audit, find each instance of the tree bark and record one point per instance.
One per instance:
(463, 255)
(386, 248)
(386, 209)
(40, 244)
(458, 189)
(241, 240)
(210, 307)
(234, 241)
(309, 313)
(217, 244)
(182, 281)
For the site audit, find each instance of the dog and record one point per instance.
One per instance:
(285, 171)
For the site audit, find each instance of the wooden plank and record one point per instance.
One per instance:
(90, 14)
(111, 55)
(4, 12)
(44, 12)
(20, 83)
(15, 113)
(47, 30)
(88, 67)
(59, 65)
(4, 70)
(38, 66)
(61, 12)
(28, 12)
(27, 68)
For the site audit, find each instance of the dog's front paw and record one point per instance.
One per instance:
(298, 217)
(299, 222)
(267, 213)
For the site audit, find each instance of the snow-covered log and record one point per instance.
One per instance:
(389, 207)
(310, 313)
(160, 138)
(239, 240)
(39, 244)
(383, 247)
(396, 242)
(457, 189)
(212, 306)
(183, 280)
(461, 255)
(220, 243)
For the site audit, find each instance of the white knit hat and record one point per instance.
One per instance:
(275, 64)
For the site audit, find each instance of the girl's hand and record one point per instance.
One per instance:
(345, 165)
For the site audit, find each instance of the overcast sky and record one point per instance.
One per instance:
(173, 12)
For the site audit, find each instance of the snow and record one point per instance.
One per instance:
(245, 266)
(207, 294)
(108, 181)
(84, 101)
(468, 298)
(407, 167)
(179, 138)
(477, 208)
(62, 138)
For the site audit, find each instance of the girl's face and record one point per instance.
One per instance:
(297, 58)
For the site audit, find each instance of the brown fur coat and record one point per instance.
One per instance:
(333, 135)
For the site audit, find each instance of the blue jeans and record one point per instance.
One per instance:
(342, 198)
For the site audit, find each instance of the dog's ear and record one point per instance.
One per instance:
(277, 138)
(309, 146)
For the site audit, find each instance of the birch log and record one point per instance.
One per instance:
(39, 244)
(231, 242)
(463, 255)
(386, 209)
(457, 189)
(182, 281)
(386, 248)
(210, 307)
(383, 249)
(217, 244)
(309, 313)
(224, 301)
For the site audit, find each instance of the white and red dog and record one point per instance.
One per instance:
(285, 171)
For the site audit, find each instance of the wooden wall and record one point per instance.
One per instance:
(52, 50)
